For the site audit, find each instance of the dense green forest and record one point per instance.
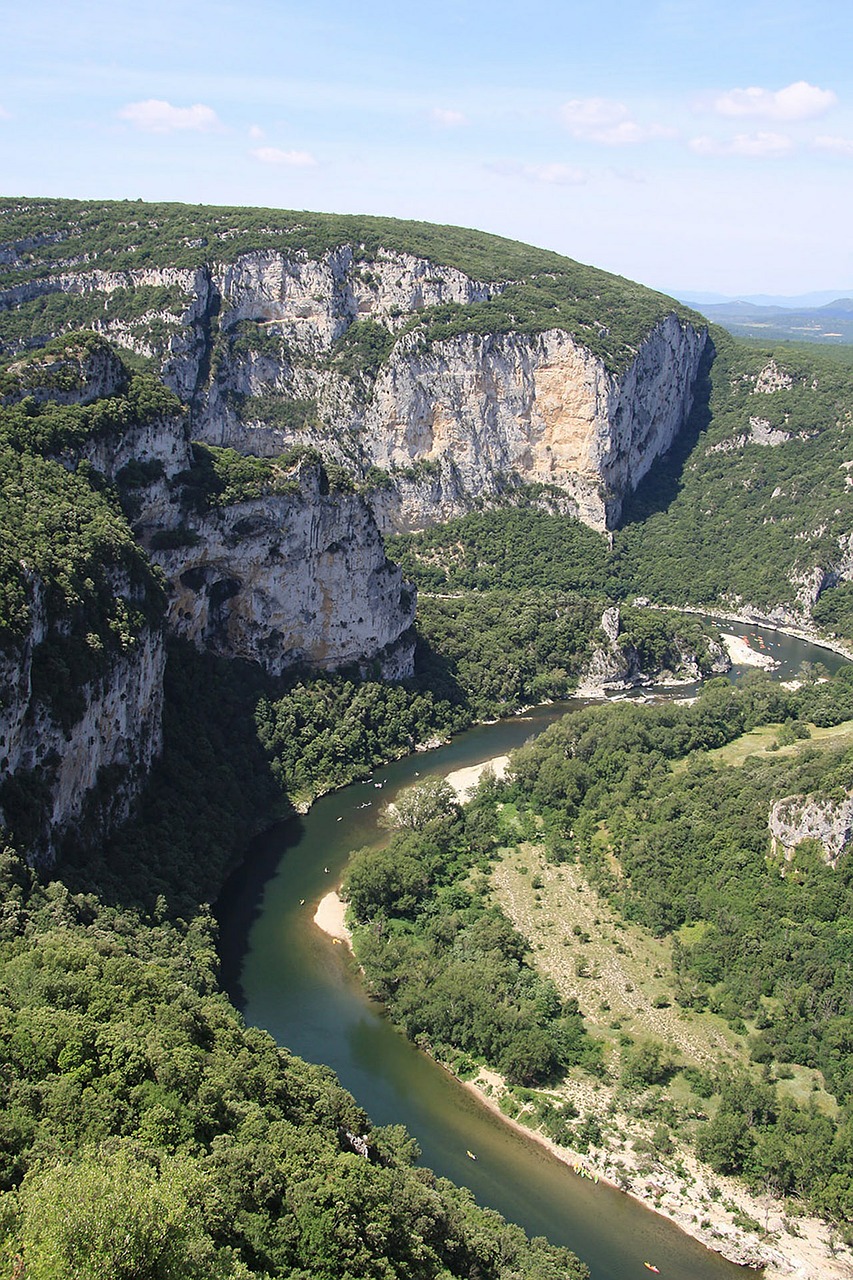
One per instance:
(684, 851)
(148, 1133)
(729, 518)
(452, 971)
(679, 844)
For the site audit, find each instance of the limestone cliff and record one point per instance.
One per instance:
(797, 818)
(467, 416)
(459, 388)
(293, 571)
(286, 579)
(63, 759)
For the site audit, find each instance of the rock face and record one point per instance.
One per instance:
(95, 766)
(299, 576)
(508, 409)
(797, 818)
(288, 579)
(450, 420)
(275, 349)
(617, 666)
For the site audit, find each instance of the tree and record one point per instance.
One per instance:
(116, 1214)
(423, 803)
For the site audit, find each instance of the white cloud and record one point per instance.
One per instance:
(274, 155)
(156, 116)
(4, 114)
(609, 122)
(256, 133)
(561, 174)
(449, 119)
(798, 101)
(842, 146)
(554, 174)
(743, 144)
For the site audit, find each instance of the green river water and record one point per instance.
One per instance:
(289, 978)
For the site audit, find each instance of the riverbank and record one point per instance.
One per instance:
(719, 1212)
(742, 654)
(463, 781)
(330, 916)
(704, 1205)
(819, 640)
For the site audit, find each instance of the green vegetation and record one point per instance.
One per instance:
(282, 412)
(148, 1133)
(451, 970)
(508, 549)
(725, 518)
(684, 852)
(64, 538)
(608, 315)
(361, 351)
(221, 477)
(542, 290)
(477, 658)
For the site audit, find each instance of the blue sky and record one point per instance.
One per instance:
(684, 144)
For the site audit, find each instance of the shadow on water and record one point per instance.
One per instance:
(240, 901)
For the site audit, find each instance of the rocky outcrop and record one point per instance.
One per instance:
(462, 418)
(617, 666)
(289, 579)
(797, 818)
(81, 371)
(292, 577)
(488, 412)
(96, 763)
(612, 668)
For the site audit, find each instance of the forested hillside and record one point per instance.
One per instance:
(683, 849)
(143, 1127)
(755, 508)
(537, 290)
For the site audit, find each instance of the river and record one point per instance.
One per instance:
(290, 979)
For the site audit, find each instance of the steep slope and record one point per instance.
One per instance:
(457, 364)
(758, 514)
(281, 568)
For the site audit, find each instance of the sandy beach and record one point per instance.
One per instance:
(330, 917)
(463, 781)
(742, 653)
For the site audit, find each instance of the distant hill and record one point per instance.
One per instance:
(829, 324)
(791, 302)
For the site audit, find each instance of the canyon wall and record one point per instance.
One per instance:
(275, 349)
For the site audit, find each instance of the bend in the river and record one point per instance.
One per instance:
(290, 979)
